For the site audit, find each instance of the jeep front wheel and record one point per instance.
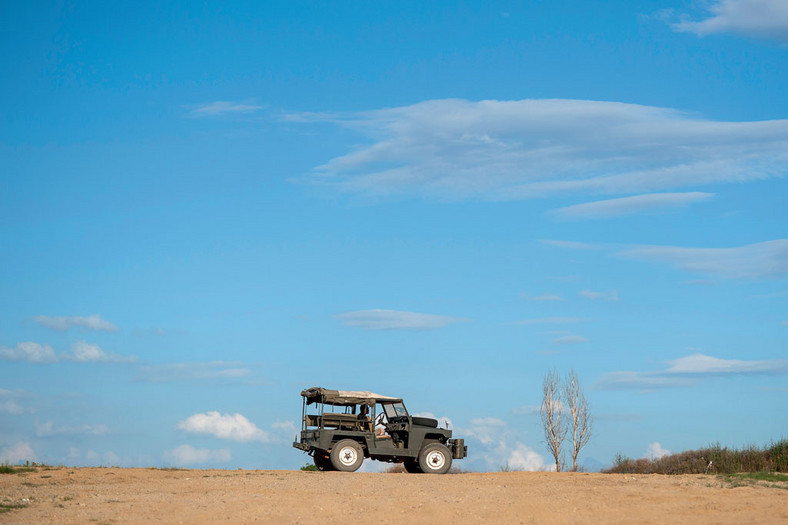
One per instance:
(347, 456)
(435, 459)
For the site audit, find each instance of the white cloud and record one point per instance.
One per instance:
(212, 370)
(17, 453)
(29, 351)
(552, 320)
(523, 457)
(687, 371)
(498, 446)
(755, 18)
(63, 323)
(222, 107)
(234, 427)
(506, 150)
(188, 455)
(765, 259)
(655, 451)
(630, 205)
(612, 295)
(396, 320)
(49, 428)
(570, 339)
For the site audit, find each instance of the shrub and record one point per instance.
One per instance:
(714, 458)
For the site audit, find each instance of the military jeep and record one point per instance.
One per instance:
(339, 428)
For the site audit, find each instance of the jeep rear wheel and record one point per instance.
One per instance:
(323, 461)
(435, 459)
(347, 456)
(412, 466)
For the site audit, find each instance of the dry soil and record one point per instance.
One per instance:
(114, 495)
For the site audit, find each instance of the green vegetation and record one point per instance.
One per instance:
(762, 476)
(8, 469)
(309, 467)
(714, 459)
(8, 507)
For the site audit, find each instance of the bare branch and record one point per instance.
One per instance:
(551, 412)
(579, 421)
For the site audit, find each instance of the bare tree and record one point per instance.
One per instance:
(579, 420)
(551, 412)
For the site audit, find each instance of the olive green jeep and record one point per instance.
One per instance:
(339, 428)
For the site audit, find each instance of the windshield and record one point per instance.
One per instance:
(395, 410)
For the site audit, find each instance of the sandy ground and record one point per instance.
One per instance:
(114, 495)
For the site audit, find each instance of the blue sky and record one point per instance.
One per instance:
(206, 208)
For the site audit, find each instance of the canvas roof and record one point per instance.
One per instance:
(345, 397)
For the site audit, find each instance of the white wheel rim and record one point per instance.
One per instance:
(348, 456)
(435, 460)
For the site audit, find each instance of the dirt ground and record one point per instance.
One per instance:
(115, 495)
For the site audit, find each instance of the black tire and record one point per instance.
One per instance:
(347, 456)
(323, 461)
(412, 466)
(435, 458)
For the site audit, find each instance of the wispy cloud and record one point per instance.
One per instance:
(629, 205)
(552, 320)
(81, 352)
(62, 323)
(701, 282)
(9, 404)
(188, 455)
(689, 370)
(526, 410)
(49, 428)
(765, 259)
(505, 150)
(572, 245)
(570, 339)
(755, 18)
(753, 261)
(542, 297)
(222, 108)
(17, 453)
(193, 371)
(705, 364)
(234, 427)
(396, 320)
(611, 295)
